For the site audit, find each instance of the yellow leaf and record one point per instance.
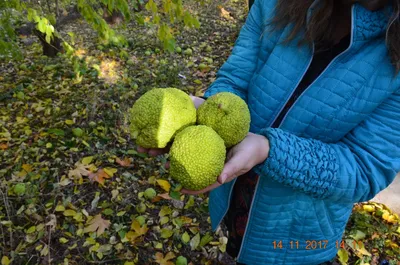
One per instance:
(69, 213)
(69, 122)
(343, 256)
(110, 171)
(164, 184)
(87, 160)
(361, 249)
(368, 208)
(5, 260)
(165, 210)
(60, 208)
(63, 240)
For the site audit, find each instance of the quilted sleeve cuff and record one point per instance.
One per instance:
(212, 90)
(305, 164)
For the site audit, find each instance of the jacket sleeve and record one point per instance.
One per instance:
(235, 74)
(352, 170)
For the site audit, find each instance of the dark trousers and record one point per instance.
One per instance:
(325, 263)
(251, 2)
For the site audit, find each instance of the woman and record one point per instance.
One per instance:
(320, 79)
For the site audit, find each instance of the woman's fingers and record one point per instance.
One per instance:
(154, 151)
(142, 149)
(196, 192)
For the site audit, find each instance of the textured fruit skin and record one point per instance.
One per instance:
(197, 157)
(158, 114)
(228, 115)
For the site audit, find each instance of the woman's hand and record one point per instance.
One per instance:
(253, 150)
(159, 151)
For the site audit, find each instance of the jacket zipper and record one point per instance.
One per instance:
(334, 59)
(258, 180)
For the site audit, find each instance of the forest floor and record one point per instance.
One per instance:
(71, 181)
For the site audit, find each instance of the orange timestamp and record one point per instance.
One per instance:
(313, 244)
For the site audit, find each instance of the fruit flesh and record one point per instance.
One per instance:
(159, 114)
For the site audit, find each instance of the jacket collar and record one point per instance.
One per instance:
(366, 24)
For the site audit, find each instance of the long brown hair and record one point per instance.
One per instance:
(320, 25)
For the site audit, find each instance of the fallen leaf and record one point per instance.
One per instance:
(79, 171)
(110, 171)
(97, 223)
(225, 14)
(343, 256)
(166, 233)
(164, 184)
(164, 196)
(137, 231)
(5, 260)
(126, 162)
(3, 146)
(160, 259)
(87, 160)
(195, 241)
(99, 176)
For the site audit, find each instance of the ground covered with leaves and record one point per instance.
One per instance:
(74, 190)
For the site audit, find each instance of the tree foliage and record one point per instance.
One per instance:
(162, 14)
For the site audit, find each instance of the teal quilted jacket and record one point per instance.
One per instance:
(338, 144)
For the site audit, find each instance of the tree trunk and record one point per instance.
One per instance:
(57, 9)
(113, 18)
(49, 49)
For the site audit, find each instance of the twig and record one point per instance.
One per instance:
(49, 245)
(57, 10)
(8, 216)
(48, 5)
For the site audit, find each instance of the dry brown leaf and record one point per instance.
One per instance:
(225, 14)
(97, 223)
(164, 196)
(160, 259)
(3, 146)
(126, 162)
(99, 176)
(79, 171)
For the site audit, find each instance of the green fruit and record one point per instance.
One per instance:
(178, 49)
(208, 48)
(228, 115)
(23, 67)
(19, 189)
(130, 62)
(181, 260)
(150, 193)
(78, 132)
(141, 207)
(188, 52)
(159, 114)
(141, 219)
(197, 157)
(202, 66)
(92, 124)
(148, 53)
